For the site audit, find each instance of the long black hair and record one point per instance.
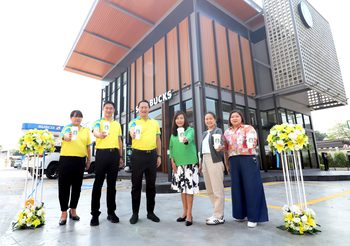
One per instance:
(174, 126)
(232, 112)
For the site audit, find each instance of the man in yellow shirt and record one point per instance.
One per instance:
(109, 152)
(145, 158)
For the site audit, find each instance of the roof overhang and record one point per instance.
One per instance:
(113, 28)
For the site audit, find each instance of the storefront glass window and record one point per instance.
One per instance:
(263, 116)
(252, 116)
(299, 119)
(283, 116)
(307, 121)
(157, 115)
(189, 111)
(212, 105)
(291, 117)
(226, 109)
(271, 118)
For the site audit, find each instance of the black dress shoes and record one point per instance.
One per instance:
(94, 221)
(134, 218)
(76, 218)
(153, 217)
(181, 219)
(62, 222)
(188, 223)
(113, 218)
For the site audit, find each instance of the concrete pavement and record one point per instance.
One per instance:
(330, 200)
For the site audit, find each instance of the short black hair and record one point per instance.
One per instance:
(109, 102)
(76, 113)
(232, 112)
(145, 101)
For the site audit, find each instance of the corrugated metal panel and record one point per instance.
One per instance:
(148, 74)
(89, 65)
(173, 66)
(159, 60)
(91, 45)
(238, 8)
(248, 67)
(185, 53)
(224, 66)
(236, 62)
(152, 10)
(116, 25)
(208, 51)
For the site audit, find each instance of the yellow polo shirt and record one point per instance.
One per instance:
(149, 131)
(77, 147)
(112, 140)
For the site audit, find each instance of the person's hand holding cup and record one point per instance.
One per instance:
(217, 142)
(74, 133)
(181, 134)
(67, 137)
(137, 132)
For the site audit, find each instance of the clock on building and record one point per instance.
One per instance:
(305, 14)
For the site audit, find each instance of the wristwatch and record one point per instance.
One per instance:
(159, 155)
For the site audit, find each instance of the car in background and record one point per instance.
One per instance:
(17, 164)
(51, 164)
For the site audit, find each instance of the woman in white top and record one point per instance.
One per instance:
(213, 169)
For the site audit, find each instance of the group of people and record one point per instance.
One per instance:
(233, 150)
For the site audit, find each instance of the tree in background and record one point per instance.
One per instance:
(339, 131)
(320, 135)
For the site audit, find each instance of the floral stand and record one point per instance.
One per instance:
(36, 143)
(287, 140)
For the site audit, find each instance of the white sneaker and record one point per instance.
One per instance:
(252, 224)
(209, 218)
(215, 221)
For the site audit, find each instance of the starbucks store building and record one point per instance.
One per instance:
(276, 63)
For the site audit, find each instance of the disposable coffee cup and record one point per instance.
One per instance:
(74, 132)
(106, 127)
(217, 140)
(250, 140)
(181, 134)
(137, 132)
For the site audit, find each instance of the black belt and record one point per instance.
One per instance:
(108, 150)
(138, 151)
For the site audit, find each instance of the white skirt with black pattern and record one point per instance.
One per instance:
(186, 179)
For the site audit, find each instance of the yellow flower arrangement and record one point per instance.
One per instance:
(287, 137)
(30, 216)
(299, 221)
(36, 142)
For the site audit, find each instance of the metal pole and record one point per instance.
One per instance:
(26, 183)
(288, 178)
(297, 173)
(302, 180)
(285, 179)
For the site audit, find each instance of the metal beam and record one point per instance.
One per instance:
(94, 58)
(128, 12)
(252, 18)
(108, 40)
(82, 71)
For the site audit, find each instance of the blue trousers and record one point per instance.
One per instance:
(247, 191)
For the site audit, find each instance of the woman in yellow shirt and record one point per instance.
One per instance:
(74, 158)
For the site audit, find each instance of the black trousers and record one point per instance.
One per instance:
(106, 164)
(143, 163)
(71, 172)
